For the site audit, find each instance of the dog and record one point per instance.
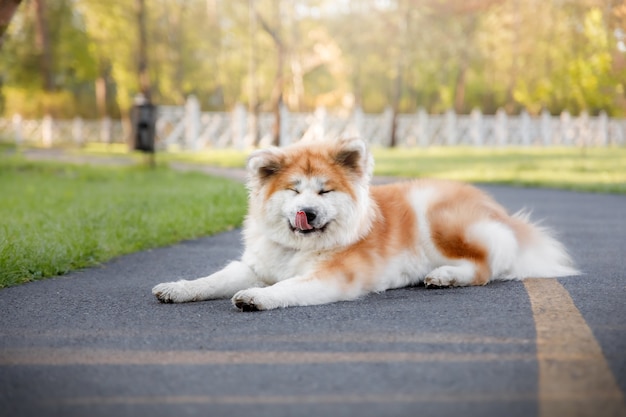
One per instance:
(316, 232)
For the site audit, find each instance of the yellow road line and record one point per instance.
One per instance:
(571, 363)
(63, 357)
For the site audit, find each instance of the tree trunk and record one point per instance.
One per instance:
(7, 10)
(515, 47)
(217, 99)
(142, 65)
(43, 45)
(459, 90)
(277, 90)
(396, 105)
(277, 94)
(253, 102)
(101, 95)
(403, 30)
(179, 31)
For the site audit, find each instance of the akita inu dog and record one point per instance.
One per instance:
(317, 232)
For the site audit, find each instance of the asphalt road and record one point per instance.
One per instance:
(97, 343)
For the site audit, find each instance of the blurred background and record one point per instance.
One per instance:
(90, 58)
(522, 92)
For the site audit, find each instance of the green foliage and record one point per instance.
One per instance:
(73, 67)
(33, 103)
(590, 71)
(56, 218)
(531, 54)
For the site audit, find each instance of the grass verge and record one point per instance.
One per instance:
(59, 217)
(588, 169)
(56, 218)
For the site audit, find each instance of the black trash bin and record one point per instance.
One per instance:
(143, 117)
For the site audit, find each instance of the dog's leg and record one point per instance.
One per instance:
(461, 275)
(222, 284)
(297, 291)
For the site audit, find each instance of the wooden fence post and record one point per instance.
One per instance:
(17, 129)
(500, 130)
(603, 127)
(356, 125)
(239, 126)
(546, 128)
(285, 125)
(583, 129)
(77, 131)
(525, 127)
(46, 131)
(566, 128)
(476, 127)
(105, 130)
(450, 128)
(387, 128)
(192, 123)
(321, 122)
(422, 128)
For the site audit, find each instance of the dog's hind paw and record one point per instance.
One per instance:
(437, 283)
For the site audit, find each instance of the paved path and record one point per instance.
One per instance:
(97, 343)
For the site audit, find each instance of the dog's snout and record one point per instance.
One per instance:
(310, 214)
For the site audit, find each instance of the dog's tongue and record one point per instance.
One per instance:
(301, 221)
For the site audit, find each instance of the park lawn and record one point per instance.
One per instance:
(581, 169)
(56, 218)
(597, 169)
(60, 217)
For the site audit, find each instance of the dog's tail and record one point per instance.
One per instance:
(540, 254)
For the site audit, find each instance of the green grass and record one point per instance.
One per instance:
(56, 218)
(590, 169)
(228, 158)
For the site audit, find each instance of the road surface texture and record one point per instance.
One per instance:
(97, 343)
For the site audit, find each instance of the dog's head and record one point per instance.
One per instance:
(313, 195)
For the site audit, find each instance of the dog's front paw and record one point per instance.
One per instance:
(173, 292)
(253, 299)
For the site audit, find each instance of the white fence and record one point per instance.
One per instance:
(188, 128)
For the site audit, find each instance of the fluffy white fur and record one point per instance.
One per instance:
(365, 239)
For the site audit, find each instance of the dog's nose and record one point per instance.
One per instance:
(310, 214)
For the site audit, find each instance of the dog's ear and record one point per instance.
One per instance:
(265, 163)
(352, 154)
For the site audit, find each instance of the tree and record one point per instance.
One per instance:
(276, 97)
(142, 51)
(81, 56)
(7, 10)
(43, 45)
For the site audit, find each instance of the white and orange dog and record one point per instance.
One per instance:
(316, 233)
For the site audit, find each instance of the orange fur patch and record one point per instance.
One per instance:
(393, 232)
(310, 161)
(449, 223)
